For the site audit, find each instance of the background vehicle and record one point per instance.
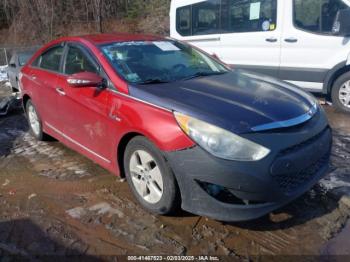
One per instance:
(3, 73)
(305, 42)
(17, 61)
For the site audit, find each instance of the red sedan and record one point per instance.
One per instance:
(182, 127)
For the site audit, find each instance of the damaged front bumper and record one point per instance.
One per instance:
(237, 191)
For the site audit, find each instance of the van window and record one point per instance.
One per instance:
(206, 17)
(316, 16)
(250, 16)
(226, 16)
(183, 21)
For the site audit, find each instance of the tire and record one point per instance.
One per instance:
(337, 88)
(36, 130)
(146, 185)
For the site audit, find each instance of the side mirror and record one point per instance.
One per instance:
(341, 25)
(85, 79)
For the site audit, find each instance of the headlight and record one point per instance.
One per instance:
(219, 142)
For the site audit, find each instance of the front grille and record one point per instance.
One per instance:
(291, 182)
(303, 144)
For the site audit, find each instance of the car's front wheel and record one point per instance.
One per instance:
(34, 121)
(341, 93)
(150, 178)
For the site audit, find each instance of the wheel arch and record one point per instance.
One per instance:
(124, 141)
(333, 75)
(25, 99)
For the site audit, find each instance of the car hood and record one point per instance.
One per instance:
(238, 101)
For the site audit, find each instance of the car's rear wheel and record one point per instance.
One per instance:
(341, 93)
(150, 177)
(34, 121)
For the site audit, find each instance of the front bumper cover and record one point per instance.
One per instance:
(299, 158)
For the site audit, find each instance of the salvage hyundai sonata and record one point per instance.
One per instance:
(183, 128)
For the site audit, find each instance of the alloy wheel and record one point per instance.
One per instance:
(33, 120)
(344, 94)
(146, 176)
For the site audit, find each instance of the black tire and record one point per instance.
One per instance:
(40, 136)
(335, 92)
(170, 199)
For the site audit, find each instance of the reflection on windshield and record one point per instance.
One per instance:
(146, 62)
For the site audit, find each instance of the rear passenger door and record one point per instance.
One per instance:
(252, 34)
(43, 76)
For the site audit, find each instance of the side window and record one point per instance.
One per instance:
(206, 17)
(78, 62)
(227, 16)
(51, 59)
(249, 16)
(316, 16)
(183, 21)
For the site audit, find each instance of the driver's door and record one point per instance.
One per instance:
(84, 110)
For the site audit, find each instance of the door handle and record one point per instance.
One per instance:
(60, 91)
(271, 40)
(291, 40)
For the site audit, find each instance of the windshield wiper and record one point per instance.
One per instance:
(199, 74)
(152, 81)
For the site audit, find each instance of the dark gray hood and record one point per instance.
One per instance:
(238, 101)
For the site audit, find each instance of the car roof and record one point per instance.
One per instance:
(99, 39)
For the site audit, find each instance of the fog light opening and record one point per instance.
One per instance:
(221, 194)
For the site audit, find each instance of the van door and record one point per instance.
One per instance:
(309, 50)
(252, 33)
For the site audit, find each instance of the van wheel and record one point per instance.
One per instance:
(34, 122)
(341, 93)
(150, 177)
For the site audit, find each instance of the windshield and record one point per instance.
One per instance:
(23, 58)
(144, 62)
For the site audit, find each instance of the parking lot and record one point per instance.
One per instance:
(55, 201)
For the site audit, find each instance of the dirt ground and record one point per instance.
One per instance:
(55, 201)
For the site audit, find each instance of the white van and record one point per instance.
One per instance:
(305, 42)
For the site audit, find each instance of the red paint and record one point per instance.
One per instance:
(93, 121)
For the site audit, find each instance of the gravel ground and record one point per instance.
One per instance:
(56, 202)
